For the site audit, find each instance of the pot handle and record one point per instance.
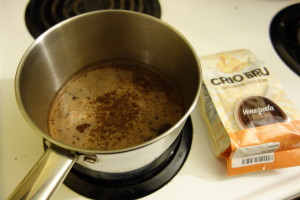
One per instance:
(47, 174)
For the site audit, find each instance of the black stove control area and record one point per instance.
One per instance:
(285, 36)
(41, 15)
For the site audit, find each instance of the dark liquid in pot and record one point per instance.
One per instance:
(113, 106)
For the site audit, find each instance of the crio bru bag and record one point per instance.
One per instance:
(251, 121)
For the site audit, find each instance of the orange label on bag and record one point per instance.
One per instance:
(266, 147)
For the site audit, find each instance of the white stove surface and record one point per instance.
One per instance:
(210, 26)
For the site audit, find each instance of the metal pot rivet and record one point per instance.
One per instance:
(90, 159)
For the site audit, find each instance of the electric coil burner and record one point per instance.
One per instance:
(40, 15)
(111, 187)
(285, 36)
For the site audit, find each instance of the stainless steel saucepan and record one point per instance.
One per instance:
(89, 38)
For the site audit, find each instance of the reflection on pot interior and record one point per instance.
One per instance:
(114, 105)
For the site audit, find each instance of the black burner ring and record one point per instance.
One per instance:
(41, 15)
(137, 187)
(285, 36)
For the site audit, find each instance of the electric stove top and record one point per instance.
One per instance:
(211, 27)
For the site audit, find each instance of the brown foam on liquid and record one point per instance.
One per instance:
(114, 106)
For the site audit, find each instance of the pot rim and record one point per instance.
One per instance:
(87, 151)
